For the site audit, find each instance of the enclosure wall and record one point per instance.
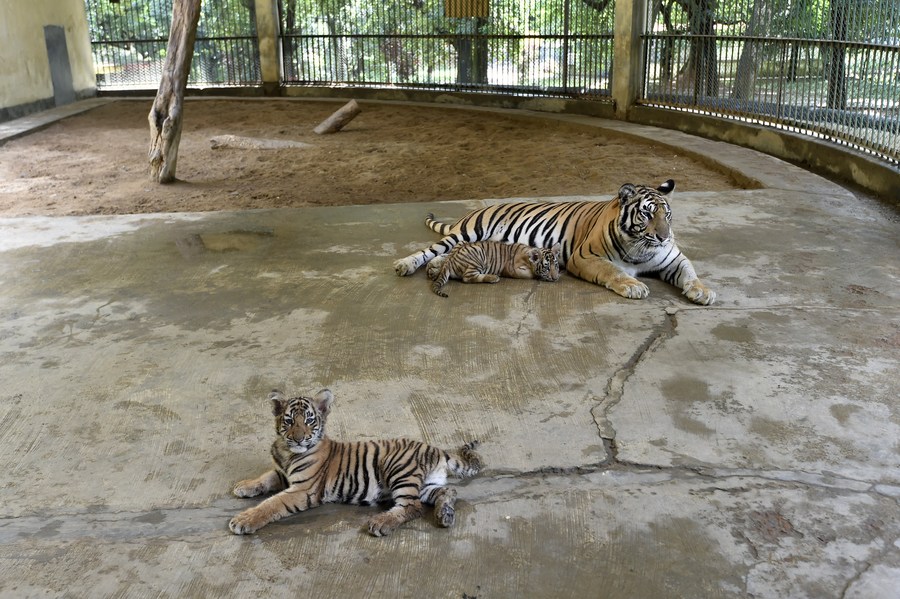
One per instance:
(26, 78)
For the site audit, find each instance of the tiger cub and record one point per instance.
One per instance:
(311, 469)
(487, 261)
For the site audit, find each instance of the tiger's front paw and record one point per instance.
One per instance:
(383, 524)
(630, 288)
(245, 523)
(405, 266)
(248, 488)
(698, 293)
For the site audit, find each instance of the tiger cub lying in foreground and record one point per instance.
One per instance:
(487, 261)
(311, 469)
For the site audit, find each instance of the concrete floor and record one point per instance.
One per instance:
(635, 449)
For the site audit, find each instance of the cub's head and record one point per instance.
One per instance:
(644, 213)
(545, 263)
(300, 421)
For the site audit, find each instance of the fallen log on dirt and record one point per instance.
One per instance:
(340, 118)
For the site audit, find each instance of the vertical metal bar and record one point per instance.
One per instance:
(567, 17)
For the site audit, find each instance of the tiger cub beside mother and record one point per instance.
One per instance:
(608, 243)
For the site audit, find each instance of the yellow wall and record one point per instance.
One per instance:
(24, 67)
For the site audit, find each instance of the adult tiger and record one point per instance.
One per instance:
(607, 243)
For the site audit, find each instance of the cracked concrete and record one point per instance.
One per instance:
(635, 448)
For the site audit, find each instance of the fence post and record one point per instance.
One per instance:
(627, 75)
(267, 32)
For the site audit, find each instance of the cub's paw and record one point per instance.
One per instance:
(446, 516)
(631, 288)
(244, 523)
(434, 267)
(383, 524)
(405, 266)
(247, 488)
(698, 293)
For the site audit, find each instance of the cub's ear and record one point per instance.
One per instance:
(557, 250)
(626, 192)
(667, 187)
(279, 405)
(534, 255)
(323, 401)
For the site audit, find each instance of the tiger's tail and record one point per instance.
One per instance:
(466, 462)
(436, 225)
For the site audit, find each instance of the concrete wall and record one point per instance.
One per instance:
(26, 84)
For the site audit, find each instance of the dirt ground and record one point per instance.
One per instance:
(96, 162)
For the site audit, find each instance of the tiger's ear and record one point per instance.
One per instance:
(557, 250)
(667, 187)
(323, 401)
(626, 193)
(534, 255)
(279, 405)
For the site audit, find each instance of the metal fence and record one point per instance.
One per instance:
(544, 47)
(129, 40)
(826, 68)
(537, 47)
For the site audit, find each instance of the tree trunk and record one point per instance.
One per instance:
(837, 82)
(292, 70)
(702, 19)
(667, 55)
(472, 55)
(793, 62)
(166, 114)
(748, 63)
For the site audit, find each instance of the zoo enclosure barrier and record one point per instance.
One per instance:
(828, 69)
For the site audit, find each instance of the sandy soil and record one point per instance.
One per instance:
(96, 162)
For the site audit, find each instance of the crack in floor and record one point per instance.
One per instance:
(615, 387)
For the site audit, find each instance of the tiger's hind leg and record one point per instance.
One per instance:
(444, 500)
(439, 275)
(434, 267)
(407, 266)
(407, 506)
(473, 276)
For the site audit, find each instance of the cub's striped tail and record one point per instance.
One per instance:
(466, 463)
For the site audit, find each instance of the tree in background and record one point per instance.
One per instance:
(166, 114)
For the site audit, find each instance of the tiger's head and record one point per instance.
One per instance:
(300, 421)
(545, 263)
(644, 213)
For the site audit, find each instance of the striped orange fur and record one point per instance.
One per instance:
(311, 469)
(608, 242)
(487, 261)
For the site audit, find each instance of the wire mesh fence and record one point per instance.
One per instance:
(826, 68)
(541, 47)
(129, 40)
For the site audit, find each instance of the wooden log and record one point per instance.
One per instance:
(339, 118)
(166, 114)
